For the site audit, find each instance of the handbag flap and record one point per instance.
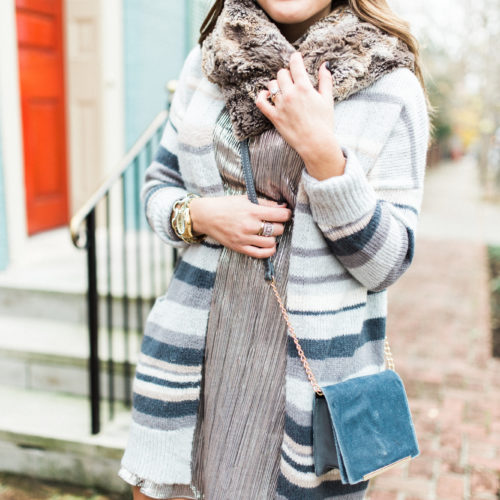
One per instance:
(372, 423)
(324, 449)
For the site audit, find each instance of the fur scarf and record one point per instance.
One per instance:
(246, 50)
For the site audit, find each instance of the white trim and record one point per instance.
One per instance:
(11, 133)
(112, 97)
(112, 89)
(95, 93)
(83, 93)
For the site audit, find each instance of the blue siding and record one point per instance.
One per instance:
(4, 249)
(155, 45)
(157, 38)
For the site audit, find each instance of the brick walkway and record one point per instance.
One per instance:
(439, 332)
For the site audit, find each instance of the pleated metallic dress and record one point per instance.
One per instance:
(237, 442)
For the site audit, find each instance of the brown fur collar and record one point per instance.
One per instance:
(246, 50)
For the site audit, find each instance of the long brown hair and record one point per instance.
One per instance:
(376, 12)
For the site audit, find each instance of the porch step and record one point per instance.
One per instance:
(70, 306)
(45, 411)
(51, 355)
(47, 435)
(49, 280)
(27, 302)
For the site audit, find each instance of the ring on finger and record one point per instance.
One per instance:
(273, 93)
(266, 229)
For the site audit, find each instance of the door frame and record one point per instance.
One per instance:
(108, 139)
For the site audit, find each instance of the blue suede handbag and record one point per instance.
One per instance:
(361, 426)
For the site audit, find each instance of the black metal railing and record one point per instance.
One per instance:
(128, 267)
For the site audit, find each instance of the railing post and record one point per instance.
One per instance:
(87, 215)
(93, 322)
(170, 88)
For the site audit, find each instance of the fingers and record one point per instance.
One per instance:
(298, 70)
(273, 214)
(273, 86)
(297, 75)
(265, 106)
(284, 80)
(270, 203)
(275, 90)
(258, 253)
(261, 241)
(238, 222)
(278, 229)
(271, 211)
(325, 83)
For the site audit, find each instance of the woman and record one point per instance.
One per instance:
(222, 406)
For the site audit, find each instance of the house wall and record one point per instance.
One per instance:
(198, 9)
(155, 45)
(157, 37)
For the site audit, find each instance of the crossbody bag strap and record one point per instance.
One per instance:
(270, 276)
(252, 196)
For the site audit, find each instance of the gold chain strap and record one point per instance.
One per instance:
(305, 363)
(389, 360)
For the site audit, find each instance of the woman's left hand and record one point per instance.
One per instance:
(304, 117)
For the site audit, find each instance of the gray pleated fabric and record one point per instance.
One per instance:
(239, 439)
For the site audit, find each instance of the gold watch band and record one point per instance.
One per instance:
(181, 220)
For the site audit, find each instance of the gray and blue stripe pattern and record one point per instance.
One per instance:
(353, 236)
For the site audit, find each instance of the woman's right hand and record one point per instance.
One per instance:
(234, 221)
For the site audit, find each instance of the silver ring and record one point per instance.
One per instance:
(267, 229)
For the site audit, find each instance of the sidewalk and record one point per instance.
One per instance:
(439, 332)
(14, 487)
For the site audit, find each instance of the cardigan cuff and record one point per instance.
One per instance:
(342, 199)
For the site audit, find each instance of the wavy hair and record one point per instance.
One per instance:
(376, 12)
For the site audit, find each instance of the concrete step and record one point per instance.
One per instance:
(49, 280)
(47, 435)
(51, 355)
(70, 306)
(26, 302)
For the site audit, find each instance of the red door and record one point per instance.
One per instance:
(41, 67)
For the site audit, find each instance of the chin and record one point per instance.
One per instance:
(291, 11)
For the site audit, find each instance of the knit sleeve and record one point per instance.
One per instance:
(369, 220)
(163, 183)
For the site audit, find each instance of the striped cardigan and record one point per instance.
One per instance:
(353, 236)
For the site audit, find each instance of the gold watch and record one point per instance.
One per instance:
(181, 220)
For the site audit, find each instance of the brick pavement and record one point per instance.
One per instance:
(438, 327)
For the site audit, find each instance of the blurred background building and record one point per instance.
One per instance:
(80, 80)
(459, 43)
